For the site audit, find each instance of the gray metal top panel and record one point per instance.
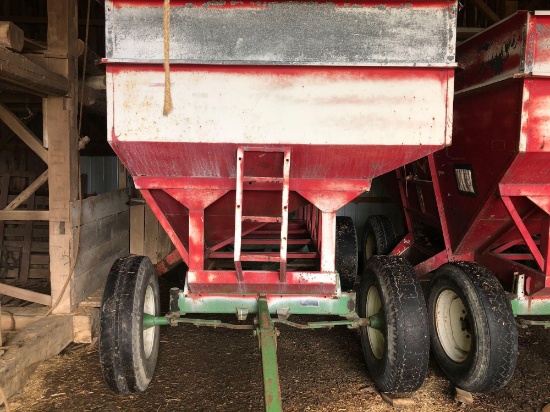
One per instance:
(288, 33)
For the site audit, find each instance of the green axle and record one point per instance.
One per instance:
(264, 324)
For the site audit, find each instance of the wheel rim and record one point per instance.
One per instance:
(453, 326)
(370, 246)
(377, 340)
(149, 333)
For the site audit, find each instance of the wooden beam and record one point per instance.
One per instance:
(37, 342)
(61, 133)
(86, 326)
(24, 133)
(11, 36)
(24, 215)
(25, 294)
(1, 336)
(17, 317)
(18, 70)
(34, 45)
(94, 100)
(25, 194)
(96, 82)
(487, 11)
(92, 63)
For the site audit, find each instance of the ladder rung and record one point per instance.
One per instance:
(263, 149)
(264, 256)
(262, 219)
(274, 241)
(263, 179)
(259, 258)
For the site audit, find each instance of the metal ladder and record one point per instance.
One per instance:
(283, 218)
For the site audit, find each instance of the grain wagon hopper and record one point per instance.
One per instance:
(282, 113)
(481, 206)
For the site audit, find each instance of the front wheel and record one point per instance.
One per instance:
(472, 327)
(128, 352)
(396, 344)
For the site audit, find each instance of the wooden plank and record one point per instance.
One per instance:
(1, 334)
(103, 230)
(25, 294)
(86, 326)
(36, 246)
(34, 45)
(18, 231)
(396, 401)
(34, 273)
(103, 205)
(92, 99)
(36, 343)
(151, 232)
(28, 192)
(17, 317)
(4, 188)
(24, 133)
(137, 229)
(486, 10)
(38, 200)
(11, 36)
(40, 259)
(463, 33)
(60, 126)
(27, 236)
(19, 71)
(88, 259)
(24, 214)
(90, 281)
(99, 83)
(463, 397)
(92, 63)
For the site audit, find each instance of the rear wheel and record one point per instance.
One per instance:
(347, 261)
(396, 344)
(472, 327)
(128, 352)
(379, 237)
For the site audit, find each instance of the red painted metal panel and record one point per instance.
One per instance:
(493, 184)
(340, 139)
(262, 282)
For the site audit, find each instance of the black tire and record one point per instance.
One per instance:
(347, 260)
(479, 353)
(397, 355)
(379, 237)
(127, 353)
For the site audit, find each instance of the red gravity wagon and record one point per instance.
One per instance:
(478, 211)
(282, 113)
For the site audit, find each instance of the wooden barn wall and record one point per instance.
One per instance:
(104, 237)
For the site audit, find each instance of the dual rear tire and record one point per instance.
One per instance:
(472, 328)
(468, 321)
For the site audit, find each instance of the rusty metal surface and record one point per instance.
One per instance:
(326, 33)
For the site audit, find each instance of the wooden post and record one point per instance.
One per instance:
(1, 338)
(61, 133)
(11, 36)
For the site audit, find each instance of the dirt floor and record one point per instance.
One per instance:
(205, 369)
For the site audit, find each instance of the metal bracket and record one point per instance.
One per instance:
(242, 313)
